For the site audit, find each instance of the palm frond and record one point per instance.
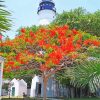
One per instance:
(87, 73)
(5, 22)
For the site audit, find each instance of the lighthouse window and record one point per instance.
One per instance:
(50, 5)
(42, 7)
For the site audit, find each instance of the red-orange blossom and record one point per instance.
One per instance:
(55, 43)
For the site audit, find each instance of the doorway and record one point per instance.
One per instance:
(13, 91)
(38, 89)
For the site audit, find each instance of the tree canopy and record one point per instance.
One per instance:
(80, 19)
(45, 48)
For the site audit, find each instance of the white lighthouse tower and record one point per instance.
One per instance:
(46, 12)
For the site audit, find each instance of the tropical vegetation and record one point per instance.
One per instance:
(72, 56)
(80, 19)
(5, 22)
(47, 50)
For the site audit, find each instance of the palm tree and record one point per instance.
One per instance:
(5, 22)
(87, 73)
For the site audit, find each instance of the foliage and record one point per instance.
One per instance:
(87, 74)
(32, 28)
(47, 50)
(5, 86)
(5, 22)
(49, 46)
(94, 53)
(80, 19)
(65, 76)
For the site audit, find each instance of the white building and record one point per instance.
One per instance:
(36, 81)
(37, 87)
(18, 87)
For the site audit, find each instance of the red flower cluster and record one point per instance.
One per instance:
(23, 30)
(10, 63)
(74, 31)
(56, 43)
(91, 42)
(55, 57)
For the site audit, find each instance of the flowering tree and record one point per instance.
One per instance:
(47, 50)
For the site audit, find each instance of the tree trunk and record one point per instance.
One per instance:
(45, 80)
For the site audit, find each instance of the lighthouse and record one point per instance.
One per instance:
(46, 12)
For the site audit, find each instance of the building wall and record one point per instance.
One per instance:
(20, 87)
(33, 85)
(28, 92)
(50, 88)
(4, 92)
(16, 85)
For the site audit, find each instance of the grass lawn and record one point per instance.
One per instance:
(85, 99)
(55, 99)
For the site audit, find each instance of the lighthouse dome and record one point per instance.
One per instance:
(46, 5)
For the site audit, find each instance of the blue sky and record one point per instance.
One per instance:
(24, 12)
